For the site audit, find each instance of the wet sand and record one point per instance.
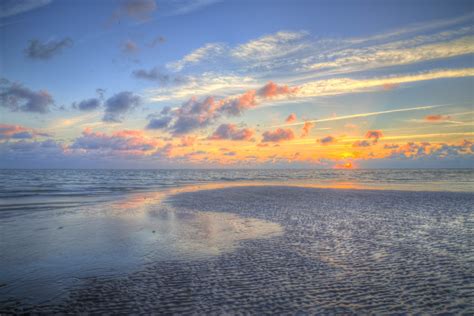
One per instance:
(272, 249)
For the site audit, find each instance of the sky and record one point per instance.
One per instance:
(236, 84)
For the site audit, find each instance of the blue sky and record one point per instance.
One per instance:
(85, 83)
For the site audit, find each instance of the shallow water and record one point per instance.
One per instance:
(48, 253)
(235, 246)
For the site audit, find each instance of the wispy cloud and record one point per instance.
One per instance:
(180, 7)
(14, 7)
(206, 52)
(383, 56)
(337, 86)
(359, 115)
(206, 84)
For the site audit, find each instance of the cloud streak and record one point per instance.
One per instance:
(14, 7)
(359, 115)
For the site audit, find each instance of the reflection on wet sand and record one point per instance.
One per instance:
(45, 254)
(139, 201)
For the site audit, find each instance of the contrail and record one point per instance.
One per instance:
(345, 117)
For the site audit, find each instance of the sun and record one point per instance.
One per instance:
(346, 165)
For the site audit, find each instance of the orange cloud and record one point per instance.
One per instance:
(437, 118)
(188, 140)
(390, 86)
(123, 133)
(8, 131)
(195, 114)
(306, 128)
(291, 118)
(271, 89)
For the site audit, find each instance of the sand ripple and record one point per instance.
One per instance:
(342, 252)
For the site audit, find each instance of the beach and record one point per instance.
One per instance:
(241, 248)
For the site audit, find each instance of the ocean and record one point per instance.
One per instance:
(236, 241)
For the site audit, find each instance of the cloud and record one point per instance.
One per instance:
(88, 105)
(208, 83)
(187, 141)
(157, 40)
(8, 131)
(390, 86)
(230, 131)
(278, 135)
(14, 7)
(140, 10)
(426, 150)
(237, 106)
(18, 98)
(298, 55)
(124, 141)
(194, 114)
(187, 6)
(394, 54)
(119, 104)
(291, 118)
(153, 75)
(350, 126)
(129, 47)
(207, 51)
(269, 47)
(352, 116)
(306, 128)
(156, 75)
(437, 118)
(327, 140)
(361, 143)
(37, 49)
(271, 90)
(159, 123)
(374, 135)
(338, 86)
(38, 153)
